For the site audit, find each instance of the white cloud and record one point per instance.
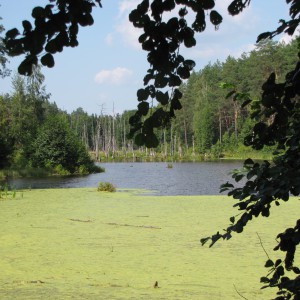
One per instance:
(126, 6)
(128, 32)
(212, 52)
(109, 39)
(286, 38)
(116, 76)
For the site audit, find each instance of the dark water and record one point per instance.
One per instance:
(201, 178)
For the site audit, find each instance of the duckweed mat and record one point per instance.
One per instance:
(84, 244)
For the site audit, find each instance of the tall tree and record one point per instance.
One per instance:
(3, 55)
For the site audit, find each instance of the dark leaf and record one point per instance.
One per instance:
(264, 280)
(207, 4)
(175, 104)
(215, 18)
(26, 66)
(189, 42)
(296, 270)
(230, 94)
(245, 103)
(204, 240)
(162, 98)
(139, 139)
(160, 81)
(269, 263)
(38, 12)
(151, 140)
(238, 177)
(143, 108)
(183, 72)
(236, 7)
(11, 34)
(199, 24)
(174, 80)
(142, 94)
(190, 64)
(182, 12)
(263, 36)
(27, 26)
(47, 60)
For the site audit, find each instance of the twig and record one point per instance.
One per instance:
(78, 220)
(262, 245)
(239, 293)
(140, 226)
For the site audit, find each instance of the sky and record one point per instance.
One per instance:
(104, 72)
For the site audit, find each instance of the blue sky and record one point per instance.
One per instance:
(108, 66)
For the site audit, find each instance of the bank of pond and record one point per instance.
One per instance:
(79, 243)
(162, 178)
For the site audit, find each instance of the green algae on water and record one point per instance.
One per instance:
(82, 244)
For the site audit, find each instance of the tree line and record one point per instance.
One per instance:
(209, 125)
(36, 135)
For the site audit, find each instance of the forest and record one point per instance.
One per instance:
(208, 126)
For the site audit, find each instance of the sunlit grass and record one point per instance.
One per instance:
(82, 244)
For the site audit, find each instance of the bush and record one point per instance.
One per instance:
(106, 187)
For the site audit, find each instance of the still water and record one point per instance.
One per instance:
(201, 178)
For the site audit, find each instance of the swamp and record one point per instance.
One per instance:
(78, 243)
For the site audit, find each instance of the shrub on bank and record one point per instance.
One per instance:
(106, 187)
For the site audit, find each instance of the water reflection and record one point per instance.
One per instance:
(201, 178)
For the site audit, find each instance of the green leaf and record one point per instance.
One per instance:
(224, 85)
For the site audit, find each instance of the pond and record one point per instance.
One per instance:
(199, 178)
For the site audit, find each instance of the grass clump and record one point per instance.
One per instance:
(106, 187)
(6, 192)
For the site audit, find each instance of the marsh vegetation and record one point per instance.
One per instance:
(81, 244)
